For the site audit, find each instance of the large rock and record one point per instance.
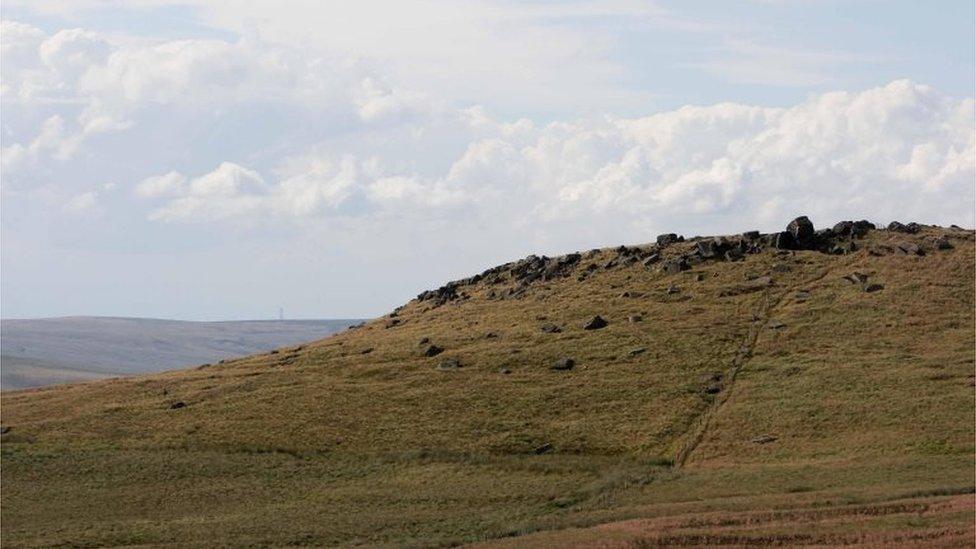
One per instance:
(675, 266)
(668, 238)
(803, 232)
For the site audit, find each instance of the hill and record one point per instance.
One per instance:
(799, 387)
(59, 350)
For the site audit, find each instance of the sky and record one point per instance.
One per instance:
(219, 160)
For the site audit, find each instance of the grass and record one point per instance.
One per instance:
(869, 395)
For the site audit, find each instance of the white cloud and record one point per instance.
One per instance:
(902, 150)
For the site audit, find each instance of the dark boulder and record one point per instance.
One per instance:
(432, 350)
(803, 232)
(910, 228)
(675, 266)
(668, 238)
(783, 240)
(942, 243)
(595, 323)
(873, 287)
(861, 228)
(751, 235)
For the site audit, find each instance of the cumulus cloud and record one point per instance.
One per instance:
(902, 150)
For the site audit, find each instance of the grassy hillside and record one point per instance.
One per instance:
(767, 398)
(44, 351)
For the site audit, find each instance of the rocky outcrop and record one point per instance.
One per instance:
(672, 254)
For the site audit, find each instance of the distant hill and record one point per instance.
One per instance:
(56, 350)
(805, 387)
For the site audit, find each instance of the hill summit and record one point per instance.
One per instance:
(805, 386)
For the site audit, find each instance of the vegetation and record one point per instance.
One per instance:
(738, 409)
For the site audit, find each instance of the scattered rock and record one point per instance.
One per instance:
(764, 439)
(392, 323)
(637, 351)
(595, 323)
(504, 371)
(699, 277)
(545, 448)
(366, 351)
(910, 228)
(909, 248)
(563, 364)
(550, 328)
(856, 278)
(651, 259)
(423, 341)
(491, 335)
(942, 243)
(449, 364)
(675, 266)
(635, 318)
(177, 405)
(432, 350)
(751, 235)
(776, 325)
(873, 287)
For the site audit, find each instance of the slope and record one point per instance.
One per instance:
(789, 371)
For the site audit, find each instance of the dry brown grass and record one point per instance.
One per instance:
(870, 397)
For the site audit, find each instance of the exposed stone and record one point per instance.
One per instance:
(751, 235)
(637, 351)
(423, 341)
(675, 266)
(550, 328)
(942, 243)
(651, 259)
(635, 318)
(366, 351)
(504, 371)
(783, 241)
(673, 289)
(595, 323)
(563, 364)
(873, 287)
(910, 228)
(776, 325)
(432, 350)
(667, 239)
(909, 248)
(802, 231)
(177, 405)
(764, 439)
(544, 449)
(449, 364)
(856, 278)
(491, 335)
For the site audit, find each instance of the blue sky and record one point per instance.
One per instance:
(219, 160)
